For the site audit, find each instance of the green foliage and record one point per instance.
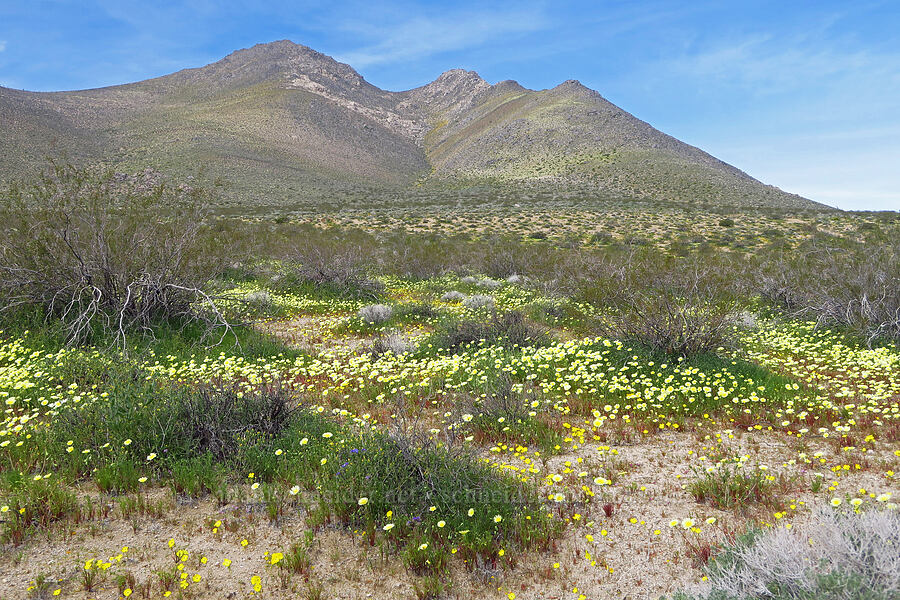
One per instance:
(298, 559)
(118, 477)
(199, 475)
(431, 587)
(734, 485)
(505, 415)
(423, 556)
(35, 506)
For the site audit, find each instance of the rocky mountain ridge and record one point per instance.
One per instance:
(280, 121)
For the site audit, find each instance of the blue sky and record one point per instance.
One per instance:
(803, 95)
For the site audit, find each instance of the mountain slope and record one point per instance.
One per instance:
(280, 123)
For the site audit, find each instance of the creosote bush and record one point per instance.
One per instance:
(331, 266)
(509, 328)
(671, 306)
(849, 286)
(107, 254)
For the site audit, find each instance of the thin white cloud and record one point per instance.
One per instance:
(765, 64)
(424, 36)
(2, 45)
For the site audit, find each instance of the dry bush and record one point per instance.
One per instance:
(453, 296)
(106, 253)
(333, 266)
(510, 328)
(375, 314)
(672, 306)
(853, 287)
(218, 419)
(478, 301)
(393, 343)
(839, 556)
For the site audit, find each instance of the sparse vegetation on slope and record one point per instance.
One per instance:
(280, 124)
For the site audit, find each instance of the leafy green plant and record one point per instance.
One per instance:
(197, 476)
(431, 587)
(733, 485)
(118, 477)
(37, 505)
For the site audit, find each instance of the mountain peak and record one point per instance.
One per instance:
(453, 91)
(573, 85)
(275, 51)
(291, 64)
(460, 76)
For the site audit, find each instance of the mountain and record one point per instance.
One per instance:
(280, 123)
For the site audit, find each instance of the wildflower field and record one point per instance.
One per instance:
(485, 431)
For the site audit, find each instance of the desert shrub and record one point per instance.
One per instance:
(393, 343)
(669, 305)
(602, 237)
(144, 417)
(106, 254)
(259, 299)
(333, 267)
(478, 301)
(490, 284)
(503, 414)
(839, 556)
(374, 314)
(853, 287)
(453, 296)
(510, 328)
(254, 305)
(219, 420)
(412, 311)
(503, 257)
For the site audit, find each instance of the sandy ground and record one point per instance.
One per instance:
(630, 561)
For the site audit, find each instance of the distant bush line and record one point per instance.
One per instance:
(103, 254)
